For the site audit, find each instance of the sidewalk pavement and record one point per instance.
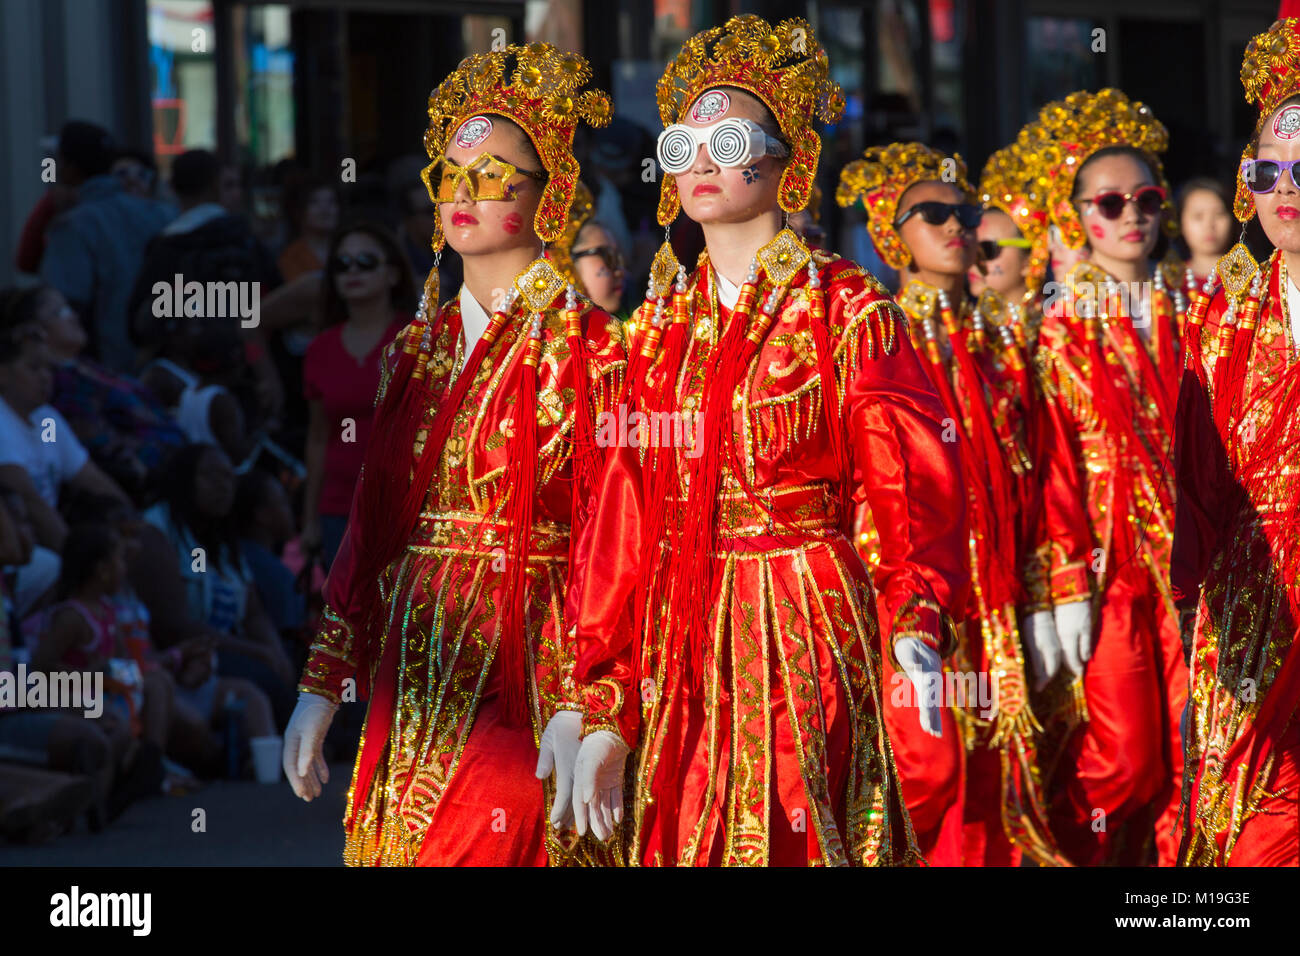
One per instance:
(247, 824)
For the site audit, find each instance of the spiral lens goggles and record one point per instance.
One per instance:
(733, 142)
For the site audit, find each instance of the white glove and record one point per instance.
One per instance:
(303, 760)
(921, 664)
(558, 752)
(1042, 645)
(598, 782)
(1074, 628)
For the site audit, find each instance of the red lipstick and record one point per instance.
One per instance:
(463, 219)
(705, 189)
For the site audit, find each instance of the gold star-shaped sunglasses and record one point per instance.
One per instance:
(486, 178)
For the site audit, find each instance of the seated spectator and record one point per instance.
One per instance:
(265, 525)
(79, 633)
(39, 454)
(195, 379)
(368, 293)
(94, 249)
(123, 426)
(201, 695)
(190, 574)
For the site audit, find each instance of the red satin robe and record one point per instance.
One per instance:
(1234, 565)
(781, 758)
(452, 781)
(1028, 541)
(1114, 736)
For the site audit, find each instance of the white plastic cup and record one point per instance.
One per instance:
(266, 758)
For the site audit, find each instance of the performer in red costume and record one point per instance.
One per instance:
(1235, 572)
(725, 623)
(1109, 357)
(446, 600)
(922, 219)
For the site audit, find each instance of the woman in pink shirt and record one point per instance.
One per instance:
(366, 302)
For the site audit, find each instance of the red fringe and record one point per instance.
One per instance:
(999, 502)
(586, 459)
(821, 332)
(697, 536)
(520, 487)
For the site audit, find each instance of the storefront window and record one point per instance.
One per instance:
(183, 75)
(1059, 57)
(263, 67)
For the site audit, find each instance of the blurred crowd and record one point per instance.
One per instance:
(175, 480)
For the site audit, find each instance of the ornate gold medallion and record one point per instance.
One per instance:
(1236, 269)
(539, 284)
(783, 257)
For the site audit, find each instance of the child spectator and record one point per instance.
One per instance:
(195, 379)
(265, 525)
(192, 577)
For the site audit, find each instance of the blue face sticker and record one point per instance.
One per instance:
(752, 174)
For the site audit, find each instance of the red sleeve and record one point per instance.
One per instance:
(605, 579)
(1060, 533)
(1201, 473)
(905, 470)
(31, 244)
(333, 657)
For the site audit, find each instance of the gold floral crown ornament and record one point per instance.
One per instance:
(1270, 73)
(536, 86)
(1066, 133)
(561, 250)
(1014, 184)
(783, 66)
(882, 176)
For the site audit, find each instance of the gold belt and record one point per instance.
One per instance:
(470, 534)
(810, 508)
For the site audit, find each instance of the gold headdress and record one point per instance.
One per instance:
(583, 208)
(543, 95)
(882, 176)
(1068, 132)
(1270, 72)
(783, 66)
(1015, 185)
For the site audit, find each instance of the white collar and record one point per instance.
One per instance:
(1293, 310)
(728, 291)
(473, 319)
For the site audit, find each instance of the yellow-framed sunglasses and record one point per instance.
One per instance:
(486, 178)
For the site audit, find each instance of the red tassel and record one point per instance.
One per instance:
(520, 489)
(697, 535)
(586, 462)
(830, 390)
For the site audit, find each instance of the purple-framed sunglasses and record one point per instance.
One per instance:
(1263, 175)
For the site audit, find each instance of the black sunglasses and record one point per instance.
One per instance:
(936, 213)
(609, 255)
(366, 262)
(992, 248)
